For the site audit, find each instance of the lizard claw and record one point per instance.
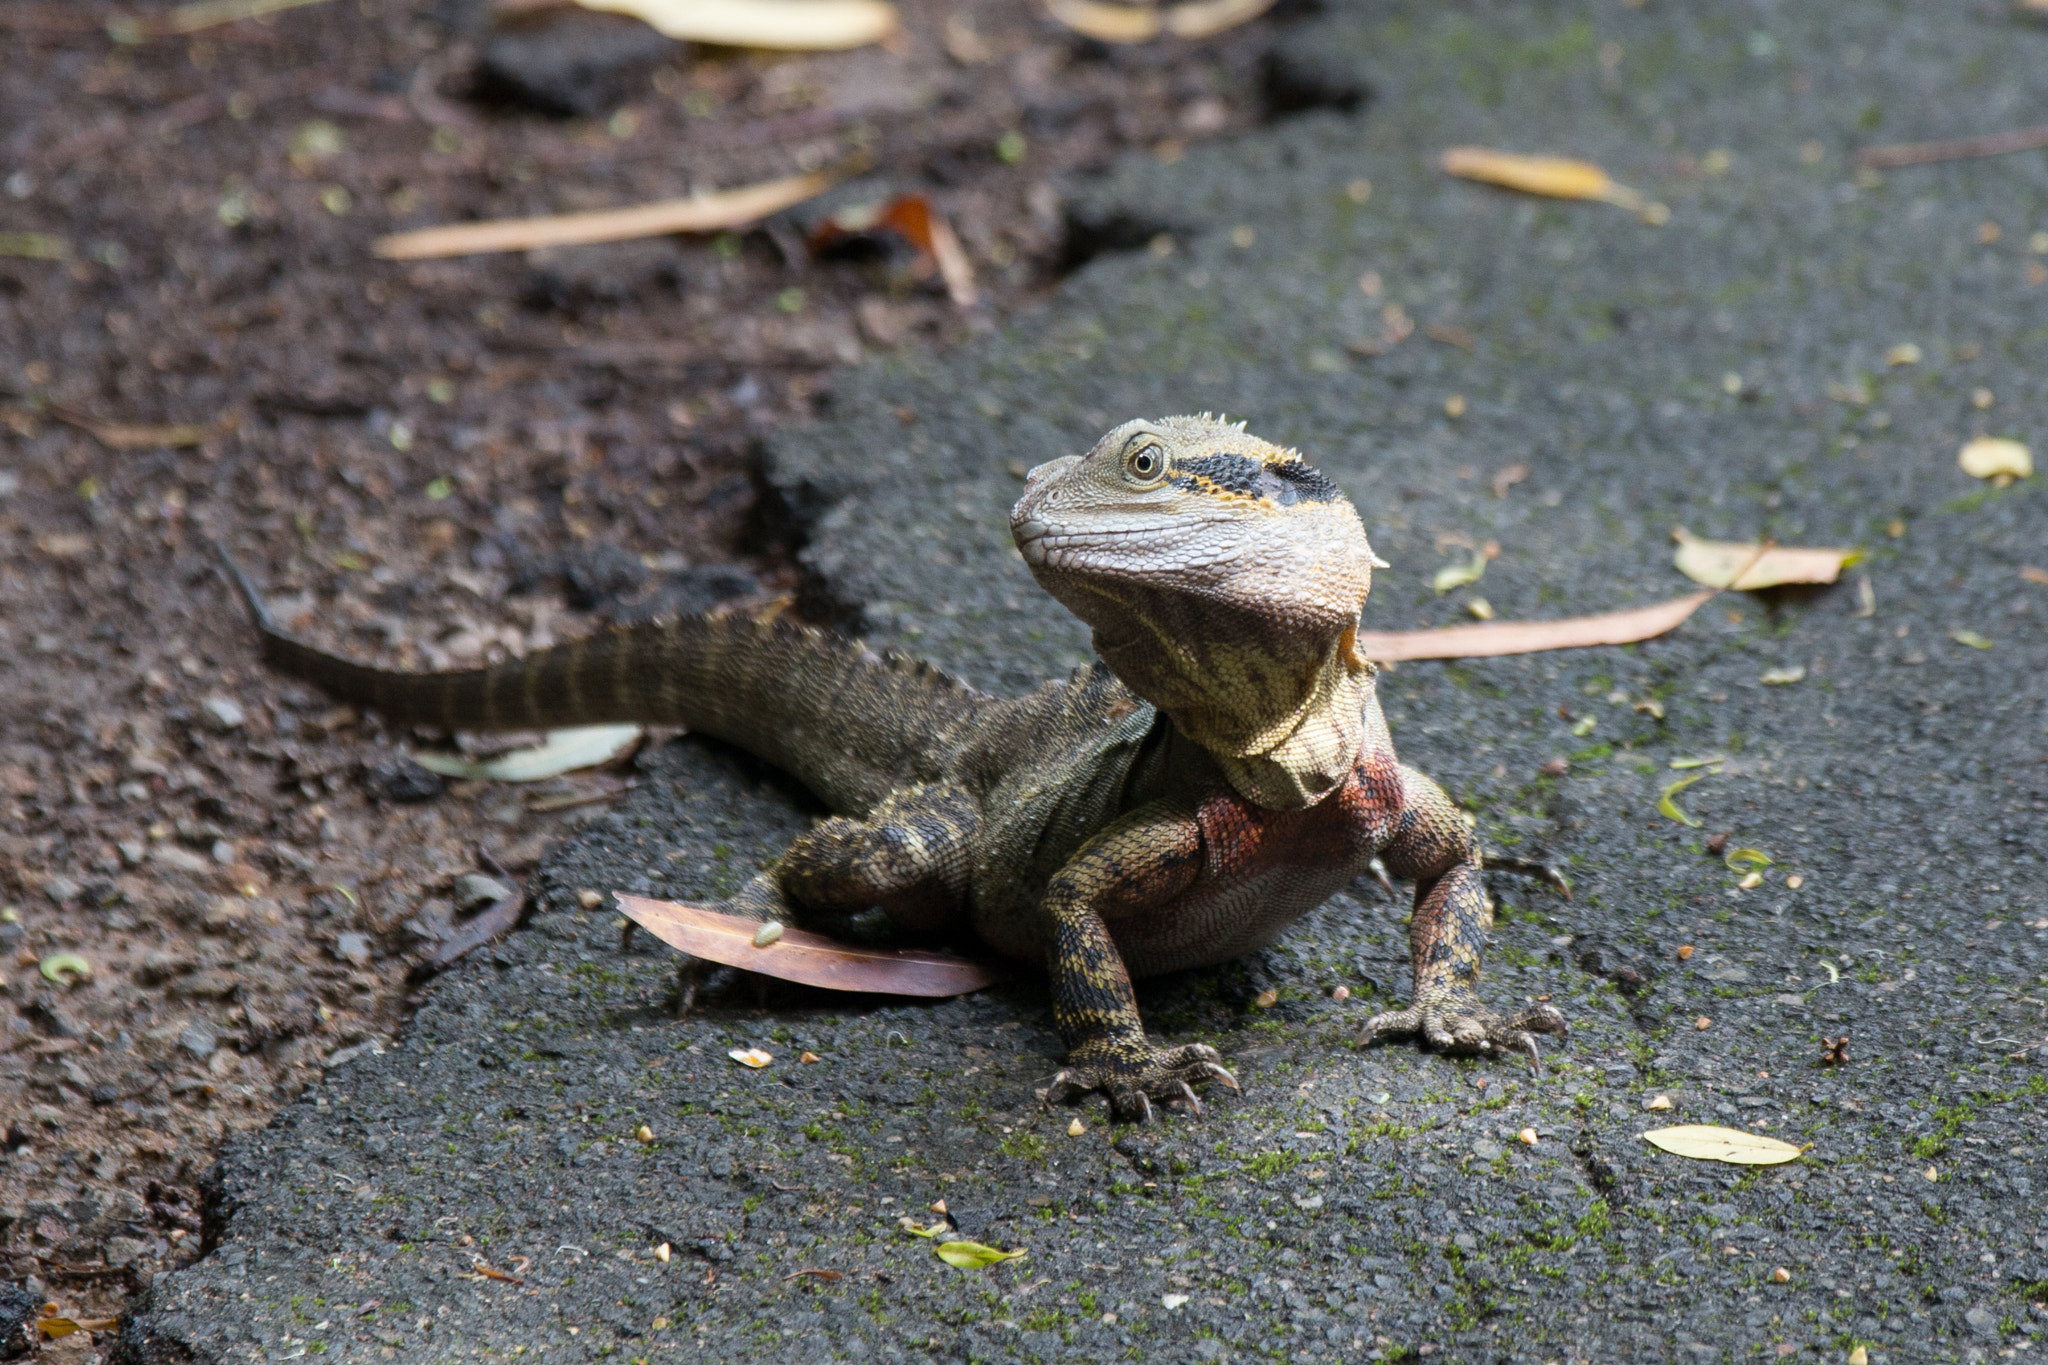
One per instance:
(1543, 872)
(1133, 1074)
(1459, 1023)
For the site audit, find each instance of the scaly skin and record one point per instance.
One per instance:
(1226, 773)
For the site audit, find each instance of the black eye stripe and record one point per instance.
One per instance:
(1285, 483)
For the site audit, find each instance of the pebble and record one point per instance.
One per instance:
(473, 890)
(223, 713)
(197, 1039)
(399, 779)
(1486, 1150)
(132, 851)
(62, 890)
(353, 949)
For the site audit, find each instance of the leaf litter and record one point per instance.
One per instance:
(1711, 1142)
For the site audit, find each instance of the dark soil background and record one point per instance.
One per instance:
(428, 463)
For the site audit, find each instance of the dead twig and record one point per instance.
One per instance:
(1953, 149)
(500, 917)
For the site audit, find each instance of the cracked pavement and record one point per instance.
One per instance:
(1727, 372)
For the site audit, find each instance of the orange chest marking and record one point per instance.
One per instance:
(1342, 830)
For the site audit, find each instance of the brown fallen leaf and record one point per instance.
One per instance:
(490, 1273)
(1554, 177)
(1835, 1051)
(914, 219)
(699, 213)
(1108, 23)
(2034, 574)
(1747, 567)
(807, 958)
(54, 1327)
(787, 25)
(828, 1276)
(1528, 637)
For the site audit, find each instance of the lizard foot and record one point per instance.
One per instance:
(1133, 1074)
(1543, 872)
(1459, 1023)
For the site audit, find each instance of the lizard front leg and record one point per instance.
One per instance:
(1433, 845)
(1146, 860)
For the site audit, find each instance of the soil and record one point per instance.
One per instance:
(429, 464)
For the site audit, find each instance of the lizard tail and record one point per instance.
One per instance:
(847, 722)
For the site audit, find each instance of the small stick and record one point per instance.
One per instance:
(1953, 149)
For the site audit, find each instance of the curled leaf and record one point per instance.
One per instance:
(1710, 1142)
(1669, 808)
(917, 1229)
(1991, 457)
(751, 1056)
(1702, 761)
(973, 1255)
(1717, 563)
(1783, 677)
(66, 969)
(1746, 860)
(1970, 638)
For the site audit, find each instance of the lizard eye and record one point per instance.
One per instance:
(1146, 464)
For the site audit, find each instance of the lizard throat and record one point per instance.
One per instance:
(1285, 732)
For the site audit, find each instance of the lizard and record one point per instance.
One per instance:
(1220, 770)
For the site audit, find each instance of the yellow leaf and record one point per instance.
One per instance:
(916, 1229)
(1709, 1142)
(1552, 176)
(1970, 638)
(973, 1255)
(1703, 761)
(1717, 562)
(66, 969)
(1747, 860)
(1783, 677)
(751, 1056)
(797, 25)
(563, 751)
(1988, 457)
(1458, 575)
(1122, 23)
(1669, 808)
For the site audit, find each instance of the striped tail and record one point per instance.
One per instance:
(848, 723)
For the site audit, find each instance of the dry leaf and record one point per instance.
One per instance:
(1266, 999)
(1703, 761)
(1988, 457)
(1076, 1128)
(1113, 23)
(790, 25)
(973, 1255)
(1660, 1102)
(1528, 637)
(1709, 1142)
(1783, 677)
(205, 14)
(563, 751)
(1716, 563)
(1859, 1356)
(751, 1056)
(701, 213)
(804, 957)
(132, 436)
(1551, 176)
(1528, 1137)
(913, 219)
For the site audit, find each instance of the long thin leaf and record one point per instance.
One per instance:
(702, 213)
(1747, 567)
(563, 751)
(973, 1255)
(1528, 637)
(807, 958)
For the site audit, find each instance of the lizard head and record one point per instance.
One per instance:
(1222, 577)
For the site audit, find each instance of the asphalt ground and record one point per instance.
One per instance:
(1362, 1203)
